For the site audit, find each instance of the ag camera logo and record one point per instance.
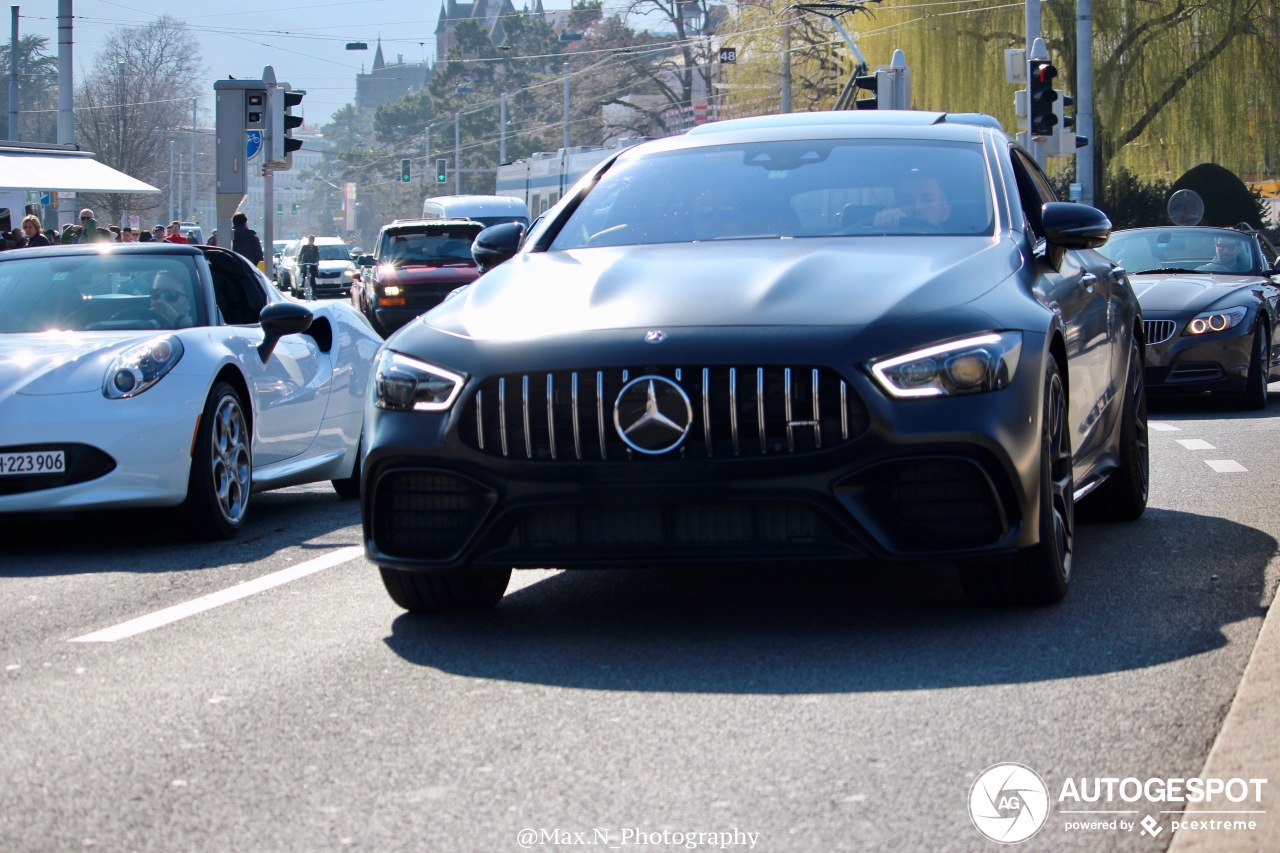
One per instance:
(1008, 803)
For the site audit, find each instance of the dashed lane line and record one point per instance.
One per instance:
(169, 615)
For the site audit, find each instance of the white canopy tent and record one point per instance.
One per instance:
(63, 171)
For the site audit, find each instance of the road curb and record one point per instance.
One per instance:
(1247, 747)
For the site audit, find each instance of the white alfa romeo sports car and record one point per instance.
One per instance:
(152, 375)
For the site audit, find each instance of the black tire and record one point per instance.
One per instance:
(1038, 575)
(1254, 395)
(1123, 497)
(221, 479)
(348, 488)
(456, 591)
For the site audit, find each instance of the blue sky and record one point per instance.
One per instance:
(304, 42)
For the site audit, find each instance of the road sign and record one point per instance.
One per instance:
(253, 143)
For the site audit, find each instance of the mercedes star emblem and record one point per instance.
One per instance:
(652, 414)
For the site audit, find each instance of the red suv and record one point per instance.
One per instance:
(415, 264)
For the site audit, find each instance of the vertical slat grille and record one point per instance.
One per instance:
(1159, 331)
(795, 410)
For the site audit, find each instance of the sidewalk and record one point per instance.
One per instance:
(1248, 747)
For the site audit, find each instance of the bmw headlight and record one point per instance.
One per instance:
(967, 366)
(138, 368)
(1216, 321)
(406, 384)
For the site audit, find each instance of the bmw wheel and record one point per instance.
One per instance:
(453, 591)
(1254, 395)
(1039, 574)
(221, 467)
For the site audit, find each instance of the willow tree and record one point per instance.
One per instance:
(1176, 82)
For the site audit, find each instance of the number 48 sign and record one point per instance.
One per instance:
(728, 55)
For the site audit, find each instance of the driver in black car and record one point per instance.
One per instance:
(1229, 254)
(170, 300)
(919, 197)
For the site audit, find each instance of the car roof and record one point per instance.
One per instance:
(417, 224)
(850, 120)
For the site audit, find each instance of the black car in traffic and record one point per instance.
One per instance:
(803, 339)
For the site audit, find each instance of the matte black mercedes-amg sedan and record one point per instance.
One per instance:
(793, 339)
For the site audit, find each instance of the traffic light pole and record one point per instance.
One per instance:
(1084, 98)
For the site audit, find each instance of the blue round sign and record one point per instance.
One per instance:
(252, 144)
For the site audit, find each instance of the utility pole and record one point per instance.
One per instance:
(502, 128)
(786, 65)
(457, 156)
(566, 105)
(170, 180)
(66, 112)
(13, 76)
(1084, 98)
(191, 210)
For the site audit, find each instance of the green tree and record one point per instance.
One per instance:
(37, 92)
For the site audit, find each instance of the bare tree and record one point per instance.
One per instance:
(136, 99)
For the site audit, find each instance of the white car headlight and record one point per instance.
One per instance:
(967, 366)
(1216, 321)
(138, 368)
(405, 384)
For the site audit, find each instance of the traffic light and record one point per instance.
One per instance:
(1065, 142)
(1042, 95)
(279, 208)
(282, 100)
(868, 83)
(295, 207)
(442, 170)
(406, 173)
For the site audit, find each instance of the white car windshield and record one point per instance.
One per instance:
(796, 188)
(99, 293)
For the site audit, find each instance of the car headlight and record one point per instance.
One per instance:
(405, 384)
(138, 368)
(967, 366)
(1216, 321)
(348, 275)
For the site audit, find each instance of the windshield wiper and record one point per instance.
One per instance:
(1162, 269)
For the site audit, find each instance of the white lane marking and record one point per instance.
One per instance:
(1196, 444)
(168, 615)
(1225, 466)
(1163, 427)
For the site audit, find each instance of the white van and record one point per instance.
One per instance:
(485, 209)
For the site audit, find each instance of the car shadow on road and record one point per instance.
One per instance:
(1143, 594)
(156, 540)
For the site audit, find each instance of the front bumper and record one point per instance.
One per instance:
(1191, 364)
(933, 479)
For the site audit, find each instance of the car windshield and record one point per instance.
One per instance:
(1185, 249)
(452, 245)
(333, 252)
(802, 188)
(104, 292)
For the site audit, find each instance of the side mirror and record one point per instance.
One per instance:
(1074, 226)
(496, 244)
(364, 260)
(279, 319)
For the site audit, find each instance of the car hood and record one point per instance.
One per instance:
(850, 281)
(1192, 292)
(60, 362)
(429, 272)
(336, 265)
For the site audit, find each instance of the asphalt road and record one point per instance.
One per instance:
(779, 710)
